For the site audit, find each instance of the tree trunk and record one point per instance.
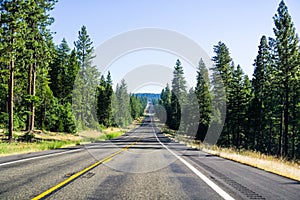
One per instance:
(286, 119)
(11, 100)
(294, 124)
(28, 125)
(33, 94)
(280, 133)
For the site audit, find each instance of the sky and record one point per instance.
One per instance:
(238, 23)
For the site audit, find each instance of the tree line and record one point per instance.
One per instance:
(51, 87)
(262, 114)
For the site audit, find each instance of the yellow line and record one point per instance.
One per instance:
(74, 176)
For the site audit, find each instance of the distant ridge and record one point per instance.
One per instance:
(149, 96)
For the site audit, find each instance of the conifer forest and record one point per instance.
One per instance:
(53, 87)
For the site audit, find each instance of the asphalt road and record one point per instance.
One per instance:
(142, 164)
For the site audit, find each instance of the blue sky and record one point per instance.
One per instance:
(237, 23)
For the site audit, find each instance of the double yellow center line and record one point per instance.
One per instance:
(78, 174)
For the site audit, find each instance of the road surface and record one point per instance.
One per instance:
(142, 164)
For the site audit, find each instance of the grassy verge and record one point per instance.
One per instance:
(280, 166)
(41, 141)
(54, 140)
(112, 135)
(26, 147)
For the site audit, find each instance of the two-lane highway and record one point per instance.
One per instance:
(142, 164)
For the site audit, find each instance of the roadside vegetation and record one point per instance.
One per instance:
(258, 114)
(51, 87)
(40, 141)
(51, 96)
(271, 163)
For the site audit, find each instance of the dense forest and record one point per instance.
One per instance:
(262, 114)
(52, 87)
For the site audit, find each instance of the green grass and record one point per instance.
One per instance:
(24, 147)
(109, 136)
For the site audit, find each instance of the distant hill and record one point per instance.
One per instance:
(149, 96)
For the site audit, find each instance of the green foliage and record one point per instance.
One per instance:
(221, 81)
(122, 115)
(104, 98)
(202, 91)
(85, 85)
(261, 114)
(58, 89)
(178, 96)
(165, 101)
(287, 64)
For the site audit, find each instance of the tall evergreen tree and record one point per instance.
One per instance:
(273, 99)
(261, 64)
(108, 99)
(165, 101)
(190, 116)
(288, 50)
(37, 18)
(122, 115)
(59, 70)
(247, 98)
(101, 102)
(221, 81)
(136, 106)
(202, 92)
(240, 96)
(178, 96)
(13, 29)
(104, 98)
(86, 83)
(70, 76)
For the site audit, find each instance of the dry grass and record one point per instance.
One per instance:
(85, 135)
(273, 164)
(112, 130)
(42, 141)
(58, 136)
(280, 166)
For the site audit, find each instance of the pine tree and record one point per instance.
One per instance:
(122, 116)
(165, 101)
(190, 116)
(288, 50)
(273, 96)
(86, 82)
(178, 96)
(104, 101)
(240, 97)
(101, 102)
(70, 76)
(108, 99)
(59, 70)
(247, 98)
(261, 64)
(135, 106)
(221, 82)
(202, 92)
(13, 29)
(37, 18)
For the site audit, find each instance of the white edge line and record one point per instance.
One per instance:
(44, 156)
(37, 157)
(48, 155)
(211, 184)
